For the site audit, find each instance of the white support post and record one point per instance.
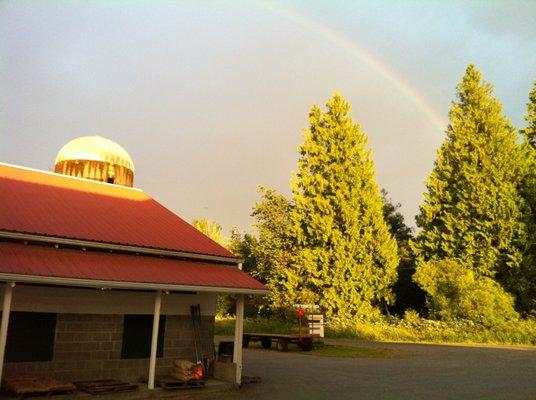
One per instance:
(239, 331)
(154, 339)
(6, 309)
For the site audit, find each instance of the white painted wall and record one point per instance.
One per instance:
(94, 301)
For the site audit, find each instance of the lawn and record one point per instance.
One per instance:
(328, 350)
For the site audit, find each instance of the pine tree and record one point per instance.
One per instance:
(522, 282)
(345, 258)
(472, 213)
(530, 131)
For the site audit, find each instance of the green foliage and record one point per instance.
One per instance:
(407, 293)
(210, 228)
(456, 292)
(434, 331)
(472, 214)
(225, 326)
(245, 246)
(522, 281)
(345, 257)
(275, 247)
(411, 328)
(395, 220)
(530, 131)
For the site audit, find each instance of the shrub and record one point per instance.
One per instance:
(454, 292)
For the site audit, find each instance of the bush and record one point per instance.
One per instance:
(412, 328)
(454, 292)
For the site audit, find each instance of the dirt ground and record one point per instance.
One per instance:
(415, 371)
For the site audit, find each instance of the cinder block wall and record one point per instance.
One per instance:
(88, 346)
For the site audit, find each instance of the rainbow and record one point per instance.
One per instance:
(361, 54)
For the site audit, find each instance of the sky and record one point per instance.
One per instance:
(210, 99)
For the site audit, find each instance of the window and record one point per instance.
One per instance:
(137, 334)
(30, 336)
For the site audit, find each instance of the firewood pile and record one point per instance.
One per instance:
(31, 385)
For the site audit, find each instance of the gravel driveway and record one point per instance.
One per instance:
(416, 371)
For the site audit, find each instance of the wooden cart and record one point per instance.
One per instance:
(304, 342)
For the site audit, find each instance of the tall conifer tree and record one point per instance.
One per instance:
(472, 212)
(346, 258)
(522, 282)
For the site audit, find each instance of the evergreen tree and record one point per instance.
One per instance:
(522, 282)
(472, 214)
(408, 294)
(345, 258)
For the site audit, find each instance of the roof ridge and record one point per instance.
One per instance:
(70, 177)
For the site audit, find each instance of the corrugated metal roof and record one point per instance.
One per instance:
(33, 260)
(45, 203)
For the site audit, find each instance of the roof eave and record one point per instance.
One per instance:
(31, 237)
(103, 284)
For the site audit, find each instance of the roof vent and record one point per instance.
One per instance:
(96, 158)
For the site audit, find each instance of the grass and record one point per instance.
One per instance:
(339, 351)
(409, 329)
(225, 326)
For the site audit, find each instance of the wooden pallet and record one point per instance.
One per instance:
(169, 383)
(105, 386)
(32, 386)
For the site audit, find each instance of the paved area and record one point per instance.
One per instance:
(416, 371)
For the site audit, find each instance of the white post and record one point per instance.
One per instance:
(6, 309)
(239, 331)
(154, 340)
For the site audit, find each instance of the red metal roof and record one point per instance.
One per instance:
(44, 203)
(16, 258)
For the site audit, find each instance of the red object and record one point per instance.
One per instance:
(198, 372)
(300, 312)
(16, 258)
(57, 205)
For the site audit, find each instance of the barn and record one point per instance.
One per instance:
(99, 279)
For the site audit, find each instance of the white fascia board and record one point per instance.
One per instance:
(100, 284)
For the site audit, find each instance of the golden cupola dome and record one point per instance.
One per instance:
(97, 158)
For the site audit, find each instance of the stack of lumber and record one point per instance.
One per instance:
(31, 385)
(183, 370)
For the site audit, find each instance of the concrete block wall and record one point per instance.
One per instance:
(88, 346)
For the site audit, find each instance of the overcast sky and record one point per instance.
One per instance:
(210, 98)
